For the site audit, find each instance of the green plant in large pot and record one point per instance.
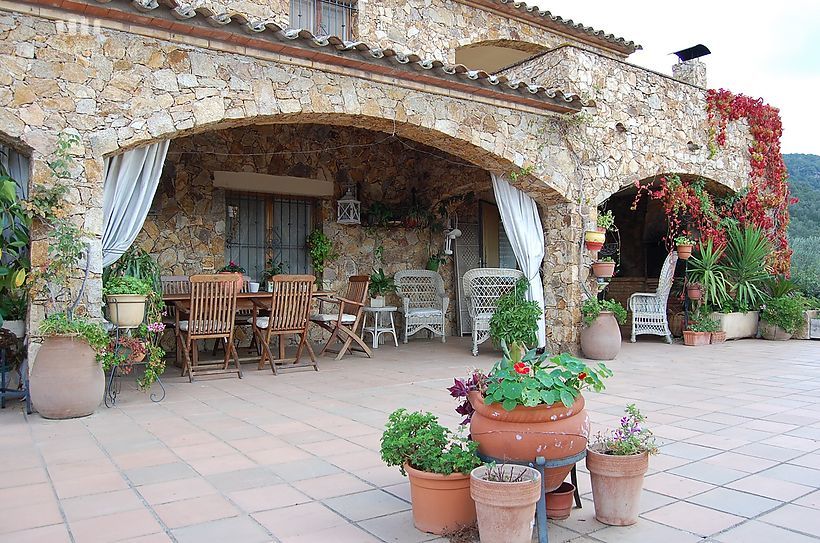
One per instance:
(530, 405)
(617, 463)
(437, 463)
(781, 317)
(126, 299)
(601, 336)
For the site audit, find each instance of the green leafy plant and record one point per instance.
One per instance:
(779, 286)
(746, 252)
(231, 267)
(321, 250)
(606, 259)
(631, 437)
(606, 220)
(381, 283)
(435, 261)
(683, 240)
(418, 440)
(127, 285)
(705, 268)
(515, 319)
(272, 268)
(785, 312)
(701, 321)
(15, 223)
(592, 307)
(13, 305)
(379, 214)
(60, 324)
(135, 262)
(805, 270)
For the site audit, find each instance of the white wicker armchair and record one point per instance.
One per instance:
(424, 303)
(649, 309)
(482, 289)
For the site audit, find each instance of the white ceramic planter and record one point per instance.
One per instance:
(377, 301)
(738, 325)
(804, 331)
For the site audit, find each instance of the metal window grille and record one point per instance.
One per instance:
(324, 17)
(292, 223)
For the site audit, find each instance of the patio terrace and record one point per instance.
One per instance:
(294, 458)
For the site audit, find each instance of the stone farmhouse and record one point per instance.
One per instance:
(272, 110)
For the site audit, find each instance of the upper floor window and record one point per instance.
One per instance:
(324, 17)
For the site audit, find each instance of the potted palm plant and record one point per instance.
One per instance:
(381, 284)
(126, 299)
(617, 463)
(601, 336)
(505, 498)
(438, 464)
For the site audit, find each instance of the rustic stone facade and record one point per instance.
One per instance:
(125, 86)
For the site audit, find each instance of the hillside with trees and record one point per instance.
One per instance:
(804, 228)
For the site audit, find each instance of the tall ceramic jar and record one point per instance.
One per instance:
(617, 482)
(552, 431)
(601, 340)
(66, 379)
(505, 510)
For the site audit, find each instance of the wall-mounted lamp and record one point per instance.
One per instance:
(348, 208)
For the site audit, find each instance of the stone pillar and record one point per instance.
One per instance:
(692, 72)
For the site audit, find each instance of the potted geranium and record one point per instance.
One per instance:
(232, 268)
(505, 498)
(438, 464)
(684, 245)
(781, 317)
(530, 405)
(594, 239)
(604, 268)
(126, 298)
(617, 463)
(380, 285)
(601, 336)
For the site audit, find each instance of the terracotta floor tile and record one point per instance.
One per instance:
(23, 477)
(796, 518)
(331, 486)
(812, 500)
(305, 469)
(114, 527)
(278, 455)
(693, 518)
(231, 481)
(299, 519)
(267, 497)
(759, 532)
(708, 473)
(365, 505)
(794, 474)
(735, 502)
(95, 505)
(27, 495)
(675, 486)
(56, 533)
(221, 464)
(195, 511)
(770, 488)
(338, 534)
(236, 529)
(180, 489)
(25, 517)
(741, 462)
(397, 528)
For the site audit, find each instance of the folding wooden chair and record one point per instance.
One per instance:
(344, 324)
(289, 315)
(211, 313)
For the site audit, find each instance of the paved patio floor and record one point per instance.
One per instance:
(294, 458)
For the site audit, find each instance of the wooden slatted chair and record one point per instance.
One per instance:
(289, 315)
(211, 313)
(244, 317)
(174, 284)
(344, 324)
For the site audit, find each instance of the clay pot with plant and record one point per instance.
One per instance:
(381, 284)
(684, 245)
(530, 405)
(126, 299)
(604, 268)
(617, 463)
(232, 268)
(438, 464)
(781, 317)
(505, 498)
(594, 239)
(699, 330)
(601, 335)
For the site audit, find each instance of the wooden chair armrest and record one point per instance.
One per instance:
(351, 302)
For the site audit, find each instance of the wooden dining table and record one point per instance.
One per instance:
(244, 300)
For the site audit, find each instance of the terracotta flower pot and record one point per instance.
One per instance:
(773, 332)
(552, 431)
(125, 310)
(240, 279)
(718, 337)
(696, 339)
(603, 269)
(66, 379)
(694, 292)
(594, 239)
(616, 486)
(441, 503)
(504, 510)
(601, 340)
(560, 501)
(684, 251)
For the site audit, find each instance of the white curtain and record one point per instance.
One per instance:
(131, 181)
(17, 166)
(522, 224)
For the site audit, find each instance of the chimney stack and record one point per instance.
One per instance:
(691, 71)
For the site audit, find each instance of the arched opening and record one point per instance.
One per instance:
(494, 55)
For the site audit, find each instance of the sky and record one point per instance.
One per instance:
(761, 49)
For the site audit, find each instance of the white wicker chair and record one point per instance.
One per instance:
(482, 289)
(649, 309)
(424, 303)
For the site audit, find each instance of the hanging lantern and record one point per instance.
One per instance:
(348, 209)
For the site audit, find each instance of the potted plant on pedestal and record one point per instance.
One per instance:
(601, 336)
(781, 317)
(617, 463)
(438, 464)
(381, 284)
(684, 245)
(594, 239)
(604, 267)
(505, 498)
(126, 298)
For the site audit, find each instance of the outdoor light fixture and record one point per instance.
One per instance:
(348, 208)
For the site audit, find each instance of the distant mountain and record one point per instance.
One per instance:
(804, 180)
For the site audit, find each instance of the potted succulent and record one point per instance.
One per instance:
(505, 498)
(617, 463)
(601, 336)
(684, 245)
(380, 285)
(604, 267)
(699, 331)
(437, 463)
(781, 317)
(321, 251)
(126, 298)
(530, 405)
(232, 268)
(594, 239)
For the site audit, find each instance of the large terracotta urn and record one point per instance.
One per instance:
(552, 431)
(616, 486)
(601, 340)
(441, 503)
(66, 379)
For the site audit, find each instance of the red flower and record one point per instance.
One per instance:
(521, 368)
(582, 376)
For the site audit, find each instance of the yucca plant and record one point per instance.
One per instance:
(706, 268)
(745, 259)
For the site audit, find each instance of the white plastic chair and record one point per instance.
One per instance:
(649, 309)
(482, 289)
(424, 303)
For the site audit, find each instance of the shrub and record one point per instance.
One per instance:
(515, 319)
(593, 307)
(785, 312)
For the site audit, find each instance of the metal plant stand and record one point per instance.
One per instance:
(114, 385)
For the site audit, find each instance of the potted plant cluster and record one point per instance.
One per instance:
(126, 298)
(684, 245)
(699, 330)
(601, 335)
(604, 268)
(438, 464)
(617, 462)
(594, 239)
(505, 496)
(381, 284)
